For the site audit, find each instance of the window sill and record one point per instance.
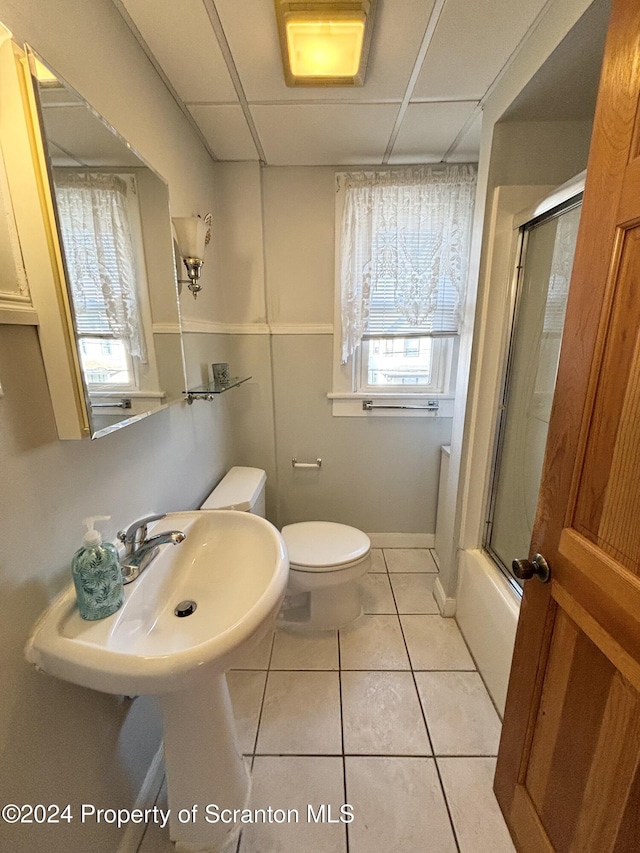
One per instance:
(350, 405)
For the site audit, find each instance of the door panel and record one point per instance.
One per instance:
(608, 500)
(568, 768)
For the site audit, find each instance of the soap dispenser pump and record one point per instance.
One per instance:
(96, 574)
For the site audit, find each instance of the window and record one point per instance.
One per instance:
(95, 212)
(106, 363)
(403, 241)
(390, 364)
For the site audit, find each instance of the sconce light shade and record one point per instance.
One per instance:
(192, 235)
(324, 42)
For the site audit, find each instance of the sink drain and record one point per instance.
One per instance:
(185, 608)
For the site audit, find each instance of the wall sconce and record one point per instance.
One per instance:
(192, 235)
(325, 42)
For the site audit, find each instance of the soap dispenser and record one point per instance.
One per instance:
(96, 574)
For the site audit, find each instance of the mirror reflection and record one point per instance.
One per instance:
(114, 229)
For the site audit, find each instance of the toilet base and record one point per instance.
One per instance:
(321, 609)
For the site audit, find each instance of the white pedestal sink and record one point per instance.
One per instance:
(234, 566)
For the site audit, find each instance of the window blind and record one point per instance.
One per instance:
(401, 311)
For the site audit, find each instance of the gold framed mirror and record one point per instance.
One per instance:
(108, 227)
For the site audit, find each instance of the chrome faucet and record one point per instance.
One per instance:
(140, 551)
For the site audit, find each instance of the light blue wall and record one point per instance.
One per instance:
(60, 743)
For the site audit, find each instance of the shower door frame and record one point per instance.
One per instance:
(566, 198)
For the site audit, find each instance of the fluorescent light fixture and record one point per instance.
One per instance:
(324, 42)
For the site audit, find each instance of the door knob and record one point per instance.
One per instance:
(538, 566)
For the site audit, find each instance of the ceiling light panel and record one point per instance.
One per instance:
(324, 42)
(252, 33)
(324, 48)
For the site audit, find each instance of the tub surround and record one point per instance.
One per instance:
(487, 614)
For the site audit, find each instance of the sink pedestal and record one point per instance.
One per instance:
(204, 765)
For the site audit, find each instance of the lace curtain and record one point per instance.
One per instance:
(98, 247)
(404, 250)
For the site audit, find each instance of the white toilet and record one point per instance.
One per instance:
(325, 559)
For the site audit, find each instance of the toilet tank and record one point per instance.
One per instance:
(240, 489)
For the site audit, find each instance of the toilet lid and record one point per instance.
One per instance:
(324, 544)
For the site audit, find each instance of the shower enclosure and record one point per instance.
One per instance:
(545, 258)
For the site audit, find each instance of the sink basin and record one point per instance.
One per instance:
(233, 565)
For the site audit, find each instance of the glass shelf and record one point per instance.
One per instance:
(211, 391)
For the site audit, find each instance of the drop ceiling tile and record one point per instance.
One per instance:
(471, 44)
(468, 148)
(225, 129)
(428, 130)
(252, 33)
(181, 38)
(324, 134)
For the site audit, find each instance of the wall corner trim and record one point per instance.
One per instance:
(446, 605)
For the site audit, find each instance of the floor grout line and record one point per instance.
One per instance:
(433, 752)
(344, 764)
(371, 755)
(344, 754)
(264, 694)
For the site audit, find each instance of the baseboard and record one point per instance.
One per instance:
(146, 798)
(446, 605)
(402, 540)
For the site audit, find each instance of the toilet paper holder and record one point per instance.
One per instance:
(296, 464)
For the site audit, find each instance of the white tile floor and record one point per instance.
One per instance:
(388, 716)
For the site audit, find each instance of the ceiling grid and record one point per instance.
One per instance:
(432, 64)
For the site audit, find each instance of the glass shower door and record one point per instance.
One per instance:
(548, 248)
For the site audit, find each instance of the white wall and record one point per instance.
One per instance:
(535, 154)
(380, 474)
(521, 159)
(237, 244)
(61, 743)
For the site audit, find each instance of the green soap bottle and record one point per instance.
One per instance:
(96, 574)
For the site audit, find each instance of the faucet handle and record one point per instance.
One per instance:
(137, 532)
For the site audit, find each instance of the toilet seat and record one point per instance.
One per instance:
(324, 546)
